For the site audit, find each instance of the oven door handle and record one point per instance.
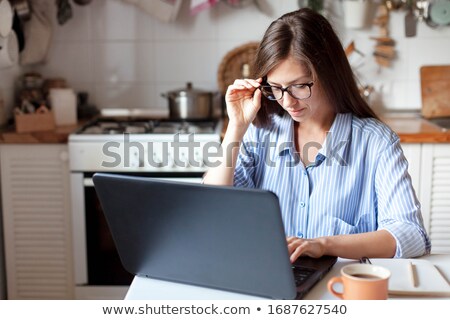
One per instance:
(88, 182)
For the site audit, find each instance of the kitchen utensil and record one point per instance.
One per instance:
(9, 50)
(6, 18)
(190, 103)
(440, 12)
(316, 5)
(22, 7)
(38, 34)
(64, 11)
(410, 21)
(395, 4)
(435, 88)
(423, 13)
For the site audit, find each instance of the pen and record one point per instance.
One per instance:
(413, 274)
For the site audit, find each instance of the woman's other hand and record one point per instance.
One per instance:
(297, 247)
(243, 101)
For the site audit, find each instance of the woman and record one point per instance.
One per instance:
(306, 134)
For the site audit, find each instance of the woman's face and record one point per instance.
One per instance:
(291, 72)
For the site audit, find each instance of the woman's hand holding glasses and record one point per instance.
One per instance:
(243, 102)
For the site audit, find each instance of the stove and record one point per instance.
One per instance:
(107, 126)
(129, 143)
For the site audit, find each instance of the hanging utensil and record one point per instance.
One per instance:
(424, 13)
(410, 21)
(64, 11)
(440, 12)
(6, 18)
(22, 7)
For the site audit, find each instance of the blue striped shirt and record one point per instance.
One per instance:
(358, 183)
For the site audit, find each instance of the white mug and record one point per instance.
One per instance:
(63, 102)
(9, 50)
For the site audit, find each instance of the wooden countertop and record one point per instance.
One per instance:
(58, 135)
(410, 127)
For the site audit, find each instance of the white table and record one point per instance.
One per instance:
(151, 289)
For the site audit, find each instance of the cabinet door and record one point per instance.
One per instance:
(435, 194)
(36, 221)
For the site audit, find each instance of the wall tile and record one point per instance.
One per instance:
(185, 61)
(428, 51)
(396, 94)
(72, 61)
(245, 24)
(123, 62)
(114, 20)
(116, 96)
(145, 96)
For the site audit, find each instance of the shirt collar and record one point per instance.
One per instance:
(335, 144)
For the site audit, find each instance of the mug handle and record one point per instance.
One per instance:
(331, 289)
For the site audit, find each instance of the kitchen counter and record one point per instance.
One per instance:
(412, 128)
(58, 135)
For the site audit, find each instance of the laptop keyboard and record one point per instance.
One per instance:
(301, 274)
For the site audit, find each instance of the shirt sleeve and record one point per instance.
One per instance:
(244, 173)
(398, 207)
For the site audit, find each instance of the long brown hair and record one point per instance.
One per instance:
(311, 40)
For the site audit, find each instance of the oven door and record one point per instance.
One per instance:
(96, 259)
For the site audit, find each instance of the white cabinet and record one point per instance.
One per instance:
(429, 167)
(435, 194)
(36, 221)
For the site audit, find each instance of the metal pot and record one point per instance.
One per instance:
(190, 103)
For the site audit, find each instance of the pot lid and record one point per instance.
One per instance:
(189, 90)
(440, 12)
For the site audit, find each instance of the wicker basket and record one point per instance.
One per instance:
(236, 64)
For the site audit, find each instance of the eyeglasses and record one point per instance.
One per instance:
(297, 91)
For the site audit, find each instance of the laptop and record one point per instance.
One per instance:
(218, 237)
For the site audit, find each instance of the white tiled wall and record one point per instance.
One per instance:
(125, 58)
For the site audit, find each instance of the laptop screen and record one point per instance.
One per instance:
(219, 237)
